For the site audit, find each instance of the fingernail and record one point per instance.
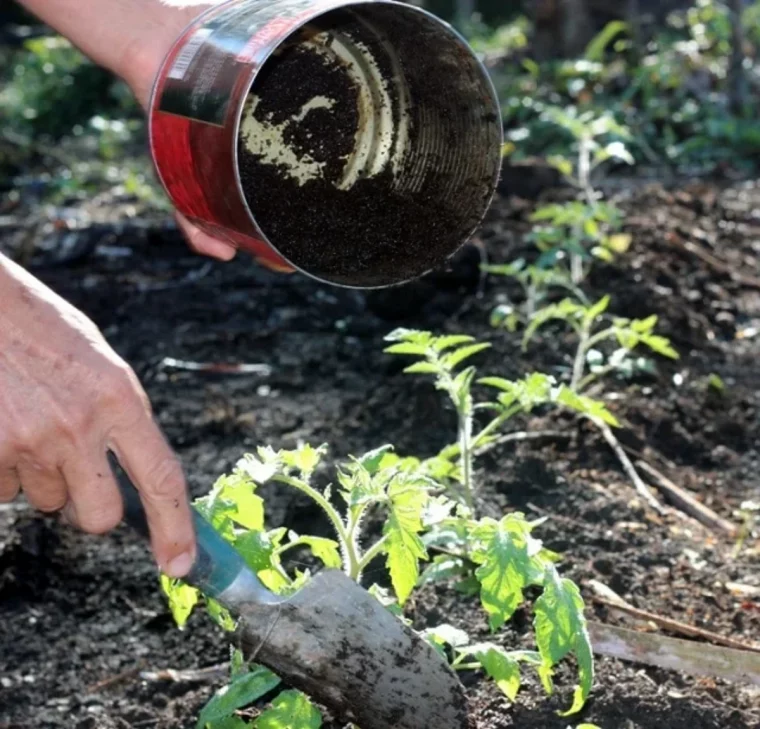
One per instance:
(180, 566)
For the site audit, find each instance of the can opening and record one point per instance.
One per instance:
(369, 145)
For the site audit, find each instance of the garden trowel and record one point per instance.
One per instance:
(331, 639)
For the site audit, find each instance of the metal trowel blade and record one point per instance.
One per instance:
(338, 644)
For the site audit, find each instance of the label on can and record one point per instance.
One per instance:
(202, 75)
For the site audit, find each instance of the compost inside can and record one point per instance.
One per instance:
(338, 166)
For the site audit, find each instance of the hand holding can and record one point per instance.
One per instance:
(356, 142)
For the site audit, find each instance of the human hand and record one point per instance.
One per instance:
(131, 38)
(66, 399)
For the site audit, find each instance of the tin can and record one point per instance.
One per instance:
(358, 142)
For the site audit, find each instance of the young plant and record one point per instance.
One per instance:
(597, 138)
(536, 283)
(440, 356)
(505, 556)
(590, 362)
(578, 231)
(594, 329)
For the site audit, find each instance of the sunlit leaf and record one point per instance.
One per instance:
(220, 615)
(585, 405)
(422, 368)
(182, 599)
(452, 359)
(509, 560)
(504, 670)
(403, 546)
(560, 627)
(290, 710)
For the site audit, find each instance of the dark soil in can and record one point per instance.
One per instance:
(368, 235)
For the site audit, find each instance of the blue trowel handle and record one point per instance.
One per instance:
(217, 564)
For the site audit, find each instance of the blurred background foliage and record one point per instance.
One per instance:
(679, 78)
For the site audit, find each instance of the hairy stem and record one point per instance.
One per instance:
(579, 364)
(465, 449)
(370, 554)
(344, 537)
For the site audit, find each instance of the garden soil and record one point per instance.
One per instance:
(82, 616)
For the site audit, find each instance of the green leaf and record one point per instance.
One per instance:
(560, 627)
(257, 549)
(442, 569)
(659, 344)
(407, 348)
(563, 165)
(220, 615)
(618, 243)
(644, 326)
(452, 359)
(423, 368)
(503, 669)
(403, 546)
(328, 550)
(257, 469)
(290, 710)
(242, 691)
(587, 726)
(451, 340)
(509, 561)
(182, 599)
(245, 507)
(372, 461)
(597, 309)
(498, 382)
(602, 254)
(304, 459)
(567, 310)
(446, 634)
(586, 406)
(599, 43)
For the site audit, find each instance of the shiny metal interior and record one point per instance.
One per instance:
(427, 111)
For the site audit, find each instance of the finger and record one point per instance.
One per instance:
(44, 486)
(203, 243)
(95, 504)
(157, 474)
(10, 485)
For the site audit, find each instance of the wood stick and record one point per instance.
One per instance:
(675, 654)
(628, 467)
(676, 626)
(190, 675)
(715, 263)
(111, 680)
(686, 502)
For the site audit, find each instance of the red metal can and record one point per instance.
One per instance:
(358, 142)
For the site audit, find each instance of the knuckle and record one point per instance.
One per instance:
(165, 480)
(9, 487)
(121, 387)
(48, 501)
(100, 520)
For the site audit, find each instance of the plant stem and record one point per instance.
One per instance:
(348, 547)
(579, 363)
(370, 554)
(465, 448)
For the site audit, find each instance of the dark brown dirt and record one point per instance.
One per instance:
(76, 611)
(369, 235)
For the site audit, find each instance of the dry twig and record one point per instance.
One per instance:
(686, 502)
